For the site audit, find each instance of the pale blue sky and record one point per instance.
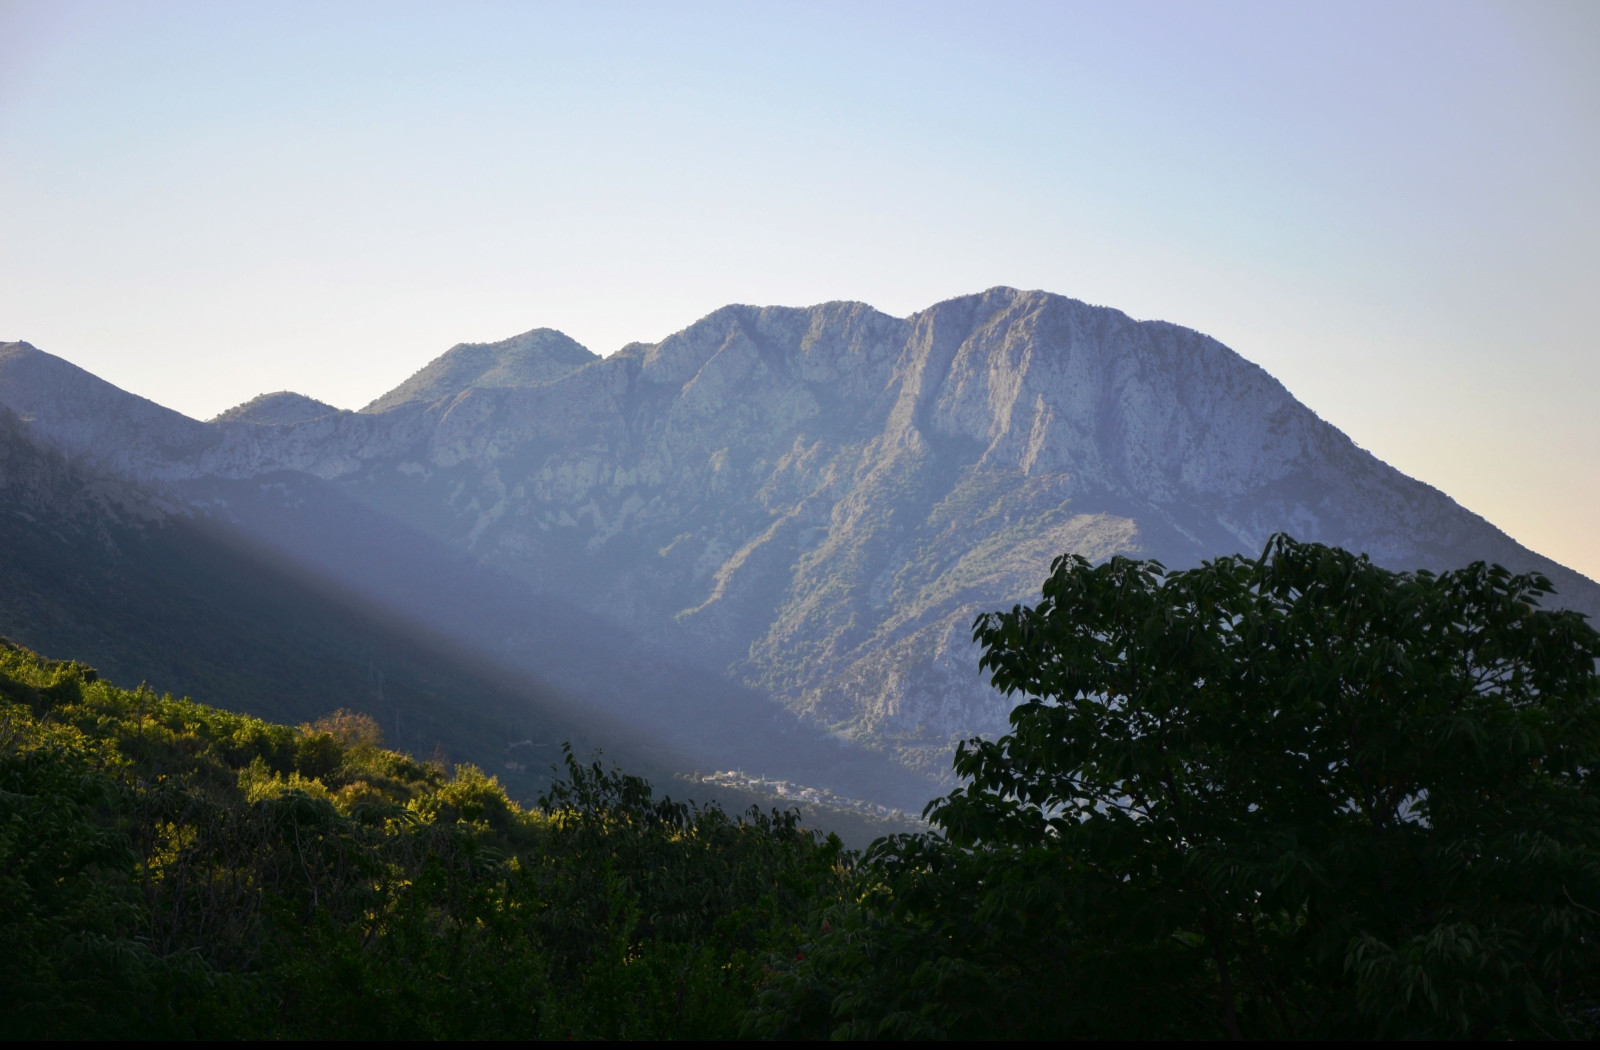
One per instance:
(1393, 207)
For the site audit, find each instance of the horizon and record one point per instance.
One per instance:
(1392, 209)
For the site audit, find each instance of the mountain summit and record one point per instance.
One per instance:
(815, 502)
(540, 356)
(277, 409)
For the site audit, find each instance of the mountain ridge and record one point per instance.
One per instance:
(815, 501)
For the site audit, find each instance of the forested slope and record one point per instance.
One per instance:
(169, 869)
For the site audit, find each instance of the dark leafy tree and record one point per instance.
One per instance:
(1292, 796)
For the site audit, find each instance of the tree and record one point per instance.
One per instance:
(1292, 796)
(171, 870)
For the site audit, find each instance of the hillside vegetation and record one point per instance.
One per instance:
(172, 870)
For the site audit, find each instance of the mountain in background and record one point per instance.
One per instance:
(800, 510)
(98, 570)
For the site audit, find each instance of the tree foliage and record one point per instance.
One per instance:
(171, 870)
(1292, 796)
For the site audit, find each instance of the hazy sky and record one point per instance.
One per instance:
(1393, 207)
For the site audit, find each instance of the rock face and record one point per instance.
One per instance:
(817, 501)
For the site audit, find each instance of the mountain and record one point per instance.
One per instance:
(809, 505)
(540, 356)
(282, 407)
(208, 605)
(96, 569)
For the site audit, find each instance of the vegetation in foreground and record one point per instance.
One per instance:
(1297, 796)
(171, 870)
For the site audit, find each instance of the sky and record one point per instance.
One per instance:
(1392, 207)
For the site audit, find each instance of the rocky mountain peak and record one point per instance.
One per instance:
(277, 409)
(533, 358)
(815, 502)
(829, 341)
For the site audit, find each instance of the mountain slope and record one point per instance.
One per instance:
(287, 600)
(96, 570)
(815, 502)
